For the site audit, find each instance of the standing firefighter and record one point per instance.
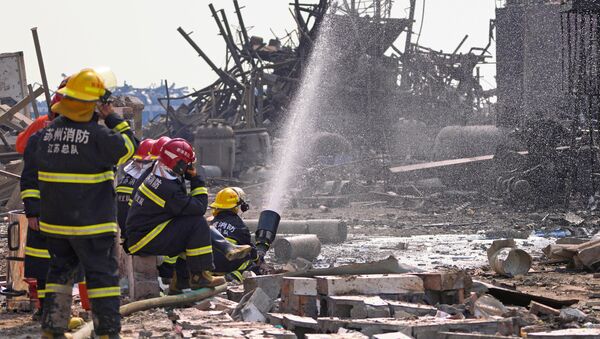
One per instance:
(37, 257)
(76, 162)
(165, 220)
(226, 208)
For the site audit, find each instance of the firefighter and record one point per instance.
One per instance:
(226, 209)
(76, 158)
(140, 163)
(37, 257)
(165, 220)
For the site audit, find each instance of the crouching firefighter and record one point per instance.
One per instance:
(165, 220)
(135, 173)
(226, 209)
(76, 160)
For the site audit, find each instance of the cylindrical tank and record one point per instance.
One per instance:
(253, 148)
(214, 144)
(305, 246)
(454, 142)
(327, 230)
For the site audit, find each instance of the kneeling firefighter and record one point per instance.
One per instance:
(165, 220)
(226, 209)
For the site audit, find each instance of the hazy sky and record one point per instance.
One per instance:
(139, 41)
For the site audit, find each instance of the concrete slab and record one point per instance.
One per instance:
(571, 333)
(373, 284)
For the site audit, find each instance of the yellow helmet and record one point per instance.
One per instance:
(87, 85)
(226, 199)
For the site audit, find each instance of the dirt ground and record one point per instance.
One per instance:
(449, 230)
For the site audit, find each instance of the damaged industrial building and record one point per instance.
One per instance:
(388, 190)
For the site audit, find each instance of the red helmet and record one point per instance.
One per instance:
(143, 150)
(155, 150)
(178, 155)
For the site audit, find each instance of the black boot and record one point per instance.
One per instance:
(231, 251)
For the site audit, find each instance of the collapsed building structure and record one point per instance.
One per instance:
(385, 92)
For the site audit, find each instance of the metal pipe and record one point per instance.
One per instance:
(306, 246)
(38, 52)
(244, 32)
(227, 78)
(327, 230)
(36, 113)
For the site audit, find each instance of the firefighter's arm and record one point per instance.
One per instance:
(194, 203)
(30, 192)
(120, 143)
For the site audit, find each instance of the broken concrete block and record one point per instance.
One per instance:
(487, 306)
(301, 286)
(143, 278)
(253, 307)
(392, 335)
(424, 328)
(235, 293)
(590, 256)
(571, 333)
(445, 281)
(275, 319)
(356, 307)
(299, 324)
(569, 314)
(373, 284)
(462, 335)
(402, 310)
(541, 309)
(299, 296)
(270, 284)
(342, 334)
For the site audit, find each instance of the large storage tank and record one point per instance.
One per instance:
(253, 148)
(214, 144)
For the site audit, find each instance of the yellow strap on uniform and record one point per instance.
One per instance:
(108, 227)
(231, 240)
(130, 150)
(151, 195)
(122, 127)
(41, 294)
(170, 260)
(58, 288)
(103, 292)
(124, 189)
(30, 193)
(243, 266)
(37, 252)
(76, 178)
(198, 191)
(238, 275)
(192, 252)
(148, 237)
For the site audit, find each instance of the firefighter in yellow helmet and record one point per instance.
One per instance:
(76, 158)
(229, 203)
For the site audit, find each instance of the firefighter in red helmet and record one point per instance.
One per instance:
(164, 219)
